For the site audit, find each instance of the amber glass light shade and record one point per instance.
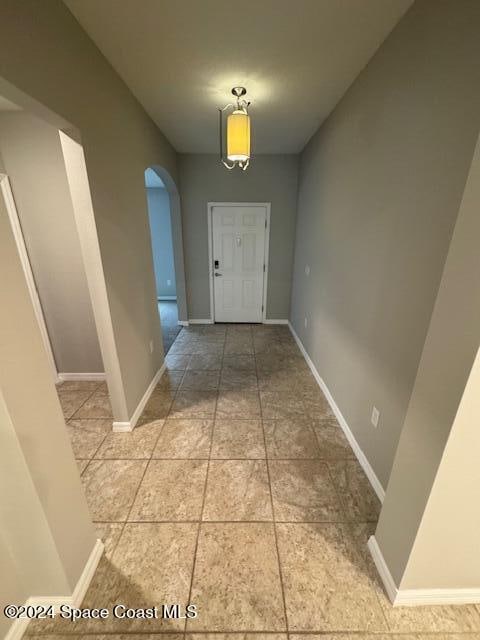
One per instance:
(238, 136)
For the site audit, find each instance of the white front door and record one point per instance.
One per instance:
(238, 242)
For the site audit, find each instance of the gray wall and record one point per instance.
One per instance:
(45, 54)
(162, 245)
(268, 179)
(379, 190)
(436, 471)
(45, 522)
(34, 163)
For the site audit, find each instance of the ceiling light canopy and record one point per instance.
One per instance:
(238, 132)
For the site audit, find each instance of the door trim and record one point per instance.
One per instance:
(210, 205)
(16, 226)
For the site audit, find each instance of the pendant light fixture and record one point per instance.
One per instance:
(238, 132)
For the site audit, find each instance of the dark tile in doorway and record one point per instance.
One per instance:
(169, 320)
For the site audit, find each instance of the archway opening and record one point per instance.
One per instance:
(167, 250)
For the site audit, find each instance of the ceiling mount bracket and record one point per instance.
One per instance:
(238, 92)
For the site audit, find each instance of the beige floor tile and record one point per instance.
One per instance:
(157, 407)
(151, 566)
(170, 380)
(205, 362)
(280, 361)
(200, 380)
(214, 348)
(236, 582)
(136, 444)
(97, 406)
(293, 438)
(358, 497)
(82, 465)
(187, 438)
(239, 362)
(238, 345)
(71, 401)
(237, 490)
(236, 636)
(109, 533)
(369, 636)
(194, 404)
(327, 587)
(332, 442)
(87, 435)
(176, 362)
(243, 329)
(278, 405)
(238, 380)
(303, 491)
(181, 348)
(110, 487)
(438, 619)
(238, 404)
(316, 404)
(276, 381)
(238, 439)
(171, 490)
(88, 386)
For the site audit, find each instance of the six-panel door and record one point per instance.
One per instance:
(238, 235)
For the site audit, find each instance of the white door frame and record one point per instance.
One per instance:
(9, 200)
(268, 206)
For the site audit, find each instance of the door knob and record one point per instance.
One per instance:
(217, 274)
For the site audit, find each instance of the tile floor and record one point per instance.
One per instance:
(239, 493)
(168, 311)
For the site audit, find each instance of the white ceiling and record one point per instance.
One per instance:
(295, 57)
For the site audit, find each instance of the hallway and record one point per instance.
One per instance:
(238, 493)
(168, 311)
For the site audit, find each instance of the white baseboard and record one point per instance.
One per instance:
(383, 570)
(166, 298)
(269, 321)
(417, 597)
(130, 425)
(87, 574)
(183, 323)
(362, 459)
(64, 377)
(200, 321)
(19, 627)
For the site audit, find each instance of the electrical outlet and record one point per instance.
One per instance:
(169, 283)
(306, 322)
(151, 346)
(307, 269)
(375, 417)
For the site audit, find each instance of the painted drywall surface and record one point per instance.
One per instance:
(72, 79)
(162, 245)
(379, 190)
(12, 590)
(419, 524)
(272, 179)
(34, 163)
(33, 432)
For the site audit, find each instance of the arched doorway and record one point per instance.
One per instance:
(167, 248)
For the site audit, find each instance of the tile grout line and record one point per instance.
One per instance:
(282, 587)
(195, 552)
(72, 417)
(349, 524)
